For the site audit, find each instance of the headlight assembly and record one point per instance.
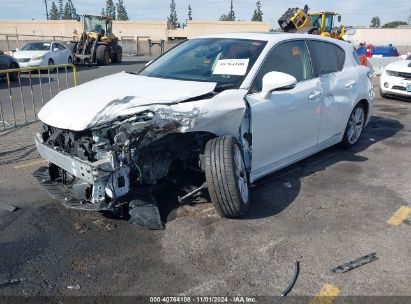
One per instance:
(38, 57)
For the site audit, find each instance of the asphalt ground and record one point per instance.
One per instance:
(327, 210)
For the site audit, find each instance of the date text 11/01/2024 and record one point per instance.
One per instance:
(198, 299)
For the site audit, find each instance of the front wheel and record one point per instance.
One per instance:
(354, 127)
(103, 54)
(226, 177)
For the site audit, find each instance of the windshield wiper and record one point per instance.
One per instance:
(223, 87)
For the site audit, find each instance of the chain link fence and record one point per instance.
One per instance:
(132, 45)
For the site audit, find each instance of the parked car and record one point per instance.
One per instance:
(396, 79)
(235, 107)
(34, 54)
(8, 62)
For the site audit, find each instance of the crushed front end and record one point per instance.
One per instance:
(109, 168)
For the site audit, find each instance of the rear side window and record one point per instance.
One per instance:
(356, 58)
(289, 57)
(328, 57)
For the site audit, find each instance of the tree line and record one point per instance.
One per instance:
(230, 16)
(67, 11)
(376, 23)
(117, 11)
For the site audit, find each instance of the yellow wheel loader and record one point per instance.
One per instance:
(97, 44)
(317, 23)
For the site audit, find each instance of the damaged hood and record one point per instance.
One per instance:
(103, 100)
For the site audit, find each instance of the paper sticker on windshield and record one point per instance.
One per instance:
(231, 67)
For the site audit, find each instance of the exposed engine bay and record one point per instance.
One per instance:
(129, 160)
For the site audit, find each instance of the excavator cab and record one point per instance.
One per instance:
(323, 23)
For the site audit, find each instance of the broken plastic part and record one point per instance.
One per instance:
(356, 263)
(145, 214)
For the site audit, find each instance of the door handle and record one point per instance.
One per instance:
(350, 84)
(314, 95)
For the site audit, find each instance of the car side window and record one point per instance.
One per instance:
(60, 47)
(328, 58)
(290, 57)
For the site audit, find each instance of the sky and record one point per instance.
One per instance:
(354, 12)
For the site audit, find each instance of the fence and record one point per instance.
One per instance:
(132, 45)
(24, 91)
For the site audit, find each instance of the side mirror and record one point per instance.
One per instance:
(148, 63)
(339, 18)
(273, 81)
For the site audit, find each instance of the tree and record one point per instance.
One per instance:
(110, 9)
(121, 11)
(103, 12)
(394, 24)
(258, 13)
(61, 11)
(231, 14)
(190, 13)
(173, 19)
(69, 12)
(375, 22)
(54, 12)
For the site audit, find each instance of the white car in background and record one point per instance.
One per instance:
(34, 54)
(396, 79)
(231, 107)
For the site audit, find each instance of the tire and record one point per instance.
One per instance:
(51, 62)
(118, 54)
(226, 177)
(103, 54)
(13, 76)
(355, 124)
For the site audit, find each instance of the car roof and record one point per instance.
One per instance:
(275, 37)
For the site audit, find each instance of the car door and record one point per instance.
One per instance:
(338, 81)
(285, 125)
(64, 53)
(56, 54)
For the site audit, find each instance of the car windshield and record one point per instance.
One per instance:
(408, 58)
(36, 46)
(224, 61)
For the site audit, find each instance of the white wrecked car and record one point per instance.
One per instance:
(234, 107)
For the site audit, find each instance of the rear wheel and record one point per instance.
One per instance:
(13, 76)
(103, 55)
(118, 54)
(51, 62)
(226, 177)
(354, 127)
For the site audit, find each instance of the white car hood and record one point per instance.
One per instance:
(400, 66)
(103, 100)
(29, 54)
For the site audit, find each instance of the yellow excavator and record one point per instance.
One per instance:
(296, 20)
(96, 44)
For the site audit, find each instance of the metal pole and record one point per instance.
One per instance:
(22, 99)
(32, 96)
(11, 99)
(47, 11)
(51, 93)
(41, 88)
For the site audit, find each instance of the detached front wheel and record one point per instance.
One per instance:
(226, 177)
